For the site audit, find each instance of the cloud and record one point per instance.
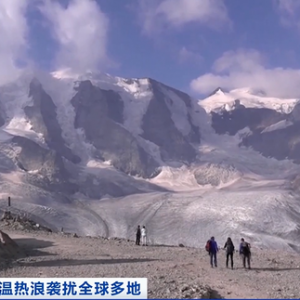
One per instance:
(289, 12)
(81, 30)
(186, 55)
(248, 68)
(13, 32)
(156, 16)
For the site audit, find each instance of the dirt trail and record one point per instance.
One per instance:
(171, 271)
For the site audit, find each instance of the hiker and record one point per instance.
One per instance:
(229, 252)
(138, 235)
(212, 248)
(245, 253)
(144, 236)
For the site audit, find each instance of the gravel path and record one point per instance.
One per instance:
(172, 272)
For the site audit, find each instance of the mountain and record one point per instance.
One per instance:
(273, 125)
(98, 155)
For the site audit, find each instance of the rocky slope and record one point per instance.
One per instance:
(100, 121)
(273, 130)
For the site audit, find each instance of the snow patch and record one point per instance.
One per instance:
(98, 164)
(22, 127)
(176, 179)
(14, 98)
(61, 93)
(136, 97)
(135, 93)
(226, 101)
(279, 125)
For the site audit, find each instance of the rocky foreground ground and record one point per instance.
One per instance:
(172, 272)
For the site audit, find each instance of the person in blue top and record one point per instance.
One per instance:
(213, 249)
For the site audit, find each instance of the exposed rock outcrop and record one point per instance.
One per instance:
(18, 222)
(8, 247)
(111, 140)
(48, 164)
(159, 128)
(241, 117)
(43, 117)
(279, 142)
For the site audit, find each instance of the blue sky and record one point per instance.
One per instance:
(193, 45)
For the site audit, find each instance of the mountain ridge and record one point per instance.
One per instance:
(98, 154)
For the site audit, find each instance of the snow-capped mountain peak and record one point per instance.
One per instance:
(64, 74)
(217, 91)
(247, 97)
(68, 74)
(68, 139)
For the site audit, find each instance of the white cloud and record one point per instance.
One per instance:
(81, 30)
(157, 15)
(240, 60)
(247, 68)
(289, 12)
(186, 55)
(13, 31)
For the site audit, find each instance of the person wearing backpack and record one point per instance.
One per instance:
(138, 235)
(212, 250)
(229, 252)
(245, 253)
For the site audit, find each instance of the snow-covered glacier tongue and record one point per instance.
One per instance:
(98, 155)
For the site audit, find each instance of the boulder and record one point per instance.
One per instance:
(198, 291)
(8, 247)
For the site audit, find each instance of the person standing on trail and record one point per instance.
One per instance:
(229, 252)
(245, 253)
(144, 236)
(213, 249)
(138, 235)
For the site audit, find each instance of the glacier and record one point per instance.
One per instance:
(228, 190)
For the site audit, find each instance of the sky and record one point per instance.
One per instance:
(192, 45)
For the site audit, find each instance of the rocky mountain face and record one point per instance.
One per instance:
(100, 114)
(50, 162)
(123, 131)
(98, 155)
(159, 128)
(43, 119)
(241, 117)
(270, 132)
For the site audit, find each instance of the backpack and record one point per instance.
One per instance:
(207, 246)
(246, 249)
(230, 248)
